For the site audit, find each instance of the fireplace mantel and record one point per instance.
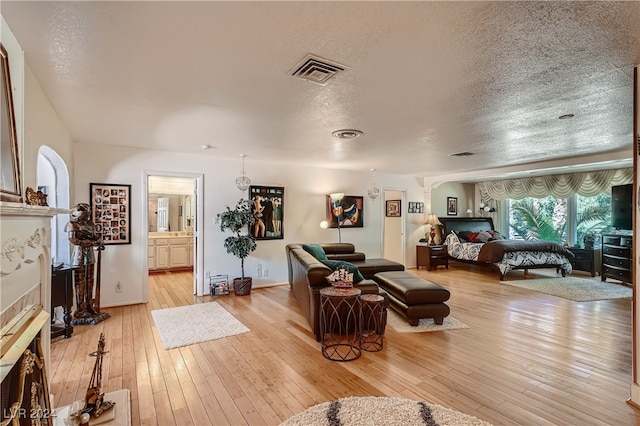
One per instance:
(25, 264)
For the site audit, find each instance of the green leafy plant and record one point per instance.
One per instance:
(237, 221)
(545, 219)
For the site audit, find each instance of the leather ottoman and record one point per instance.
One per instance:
(414, 297)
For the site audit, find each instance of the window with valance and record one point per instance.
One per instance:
(587, 184)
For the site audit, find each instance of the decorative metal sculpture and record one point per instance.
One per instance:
(94, 403)
(36, 198)
(83, 236)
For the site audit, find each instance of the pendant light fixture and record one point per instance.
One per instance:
(374, 191)
(243, 181)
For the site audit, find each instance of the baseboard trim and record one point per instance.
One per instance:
(635, 395)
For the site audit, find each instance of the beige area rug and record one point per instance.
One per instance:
(401, 325)
(574, 288)
(388, 411)
(187, 325)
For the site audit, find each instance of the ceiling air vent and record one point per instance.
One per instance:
(316, 69)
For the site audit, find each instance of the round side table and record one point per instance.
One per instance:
(373, 322)
(340, 325)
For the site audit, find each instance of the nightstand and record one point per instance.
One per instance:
(588, 260)
(432, 256)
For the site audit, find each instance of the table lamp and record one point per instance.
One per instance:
(432, 221)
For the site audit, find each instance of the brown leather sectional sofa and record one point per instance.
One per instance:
(307, 275)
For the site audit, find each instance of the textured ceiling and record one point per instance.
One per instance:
(424, 79)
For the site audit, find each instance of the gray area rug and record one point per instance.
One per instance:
(388, 411)
(401, 325)
(574, 288)
(187, 325)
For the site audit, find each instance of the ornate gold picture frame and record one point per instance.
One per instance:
(10, 185)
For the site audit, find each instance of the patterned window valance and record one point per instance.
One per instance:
(586, 184)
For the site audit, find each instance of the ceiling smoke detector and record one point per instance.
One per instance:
(346, 134)
(316, 69)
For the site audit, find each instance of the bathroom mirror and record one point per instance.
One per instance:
(171, 213)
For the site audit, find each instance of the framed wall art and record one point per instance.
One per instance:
(349, 211)
(452, 206)
(415, 207)
(10, 185)
(111, 212)
(393, 208)
(268, 211)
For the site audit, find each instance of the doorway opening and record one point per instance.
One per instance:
(173, 220)
(393, 227)
(53, 180)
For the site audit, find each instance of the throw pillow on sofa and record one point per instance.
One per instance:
(315, 250)
(341, 264)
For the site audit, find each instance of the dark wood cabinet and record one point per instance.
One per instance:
(62, 295)
(588, 260)
(617, 263)
(431, 256)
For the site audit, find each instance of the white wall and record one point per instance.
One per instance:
(43, 126)
(304, 209)
(463, 191)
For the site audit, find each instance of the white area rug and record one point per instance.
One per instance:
(574, 288)
(401, 325)
(187, 325)
(388, 411)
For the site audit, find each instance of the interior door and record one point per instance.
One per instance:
(393, 228)
(163, 214)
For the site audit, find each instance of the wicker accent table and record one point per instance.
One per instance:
(373, 322)
(340, 325)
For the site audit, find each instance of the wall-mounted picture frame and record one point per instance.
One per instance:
(268, 212)
(452, 206)
(394, 208)
(10, 183)
(111, 212)
(415, 207)
(350, 211)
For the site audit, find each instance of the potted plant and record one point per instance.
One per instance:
(242, 243)
(589, 240)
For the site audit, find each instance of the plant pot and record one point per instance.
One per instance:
(242, 286)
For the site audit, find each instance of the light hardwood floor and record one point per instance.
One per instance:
(527, 358)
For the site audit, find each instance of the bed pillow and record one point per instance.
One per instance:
(497, 236)
(315, 250)
(483, 237)
(341, 264)
(468, 236)
(452, 238)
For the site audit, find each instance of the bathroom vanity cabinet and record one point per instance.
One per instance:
(173, 251)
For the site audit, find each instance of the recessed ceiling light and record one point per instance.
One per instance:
(346, 134)
(565, 116)
(462, 154)
(207, 147)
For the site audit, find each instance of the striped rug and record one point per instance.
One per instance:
(388, 411)
(187, 325)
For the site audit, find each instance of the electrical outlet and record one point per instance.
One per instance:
(118, 288)
(207, 274)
